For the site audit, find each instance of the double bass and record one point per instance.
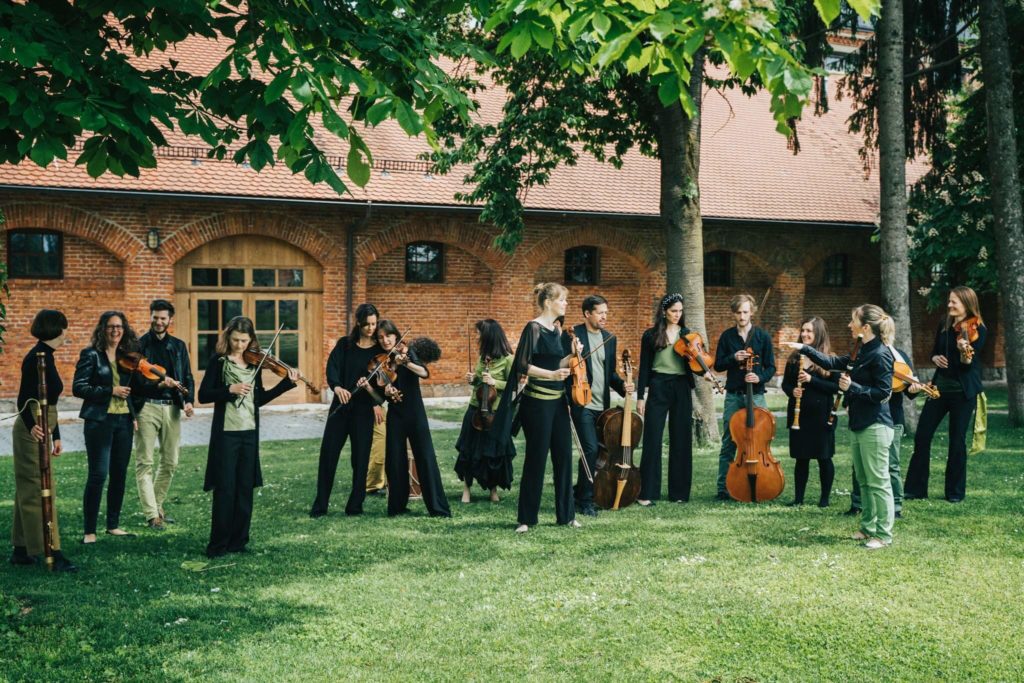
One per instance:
(755, 476)
(617, 483)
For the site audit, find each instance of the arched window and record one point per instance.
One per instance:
(35, 254)
(582, 266)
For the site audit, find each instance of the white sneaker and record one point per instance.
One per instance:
(522, 529)
(876, 544)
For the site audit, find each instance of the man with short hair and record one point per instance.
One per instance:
(158, 405)
(603, 377)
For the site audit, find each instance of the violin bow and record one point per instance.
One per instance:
(579, 446)
(603, 342)
(373, 373)
(256, 373)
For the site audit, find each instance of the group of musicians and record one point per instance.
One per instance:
(134, 391)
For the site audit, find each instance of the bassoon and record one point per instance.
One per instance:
(45, 477)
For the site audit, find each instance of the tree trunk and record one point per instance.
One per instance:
(893, 180)
(679, 152)
(997, 75)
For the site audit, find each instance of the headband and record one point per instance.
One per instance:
(670, 300)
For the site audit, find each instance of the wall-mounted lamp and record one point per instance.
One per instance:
(153, 239)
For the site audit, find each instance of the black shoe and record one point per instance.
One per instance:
(20, 556)
(589, 511)
(912, 496)
(63, 564)
(852, 512)
(722, 495)
(214, 553)
(243, 549)
(898, 515)
(794, 504)
(823, 503)
(317, 513)
(955, 500)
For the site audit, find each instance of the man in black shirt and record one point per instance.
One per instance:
(731, 357)
(158, 406)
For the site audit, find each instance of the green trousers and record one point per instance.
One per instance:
(27, 529)
(157, 423)
(870, 448)
(895, 479)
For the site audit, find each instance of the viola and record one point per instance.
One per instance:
(486, 395)
(617, 484)
(580, 393)
(967, 329)
(274, 364)
(136, 362)
(691, 347)
(902, 377)
(849, 368)
(755, 476)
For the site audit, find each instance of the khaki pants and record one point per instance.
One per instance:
(27, 529)
(157, 422)
(375, 475)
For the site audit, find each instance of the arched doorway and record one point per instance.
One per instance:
(268, 280)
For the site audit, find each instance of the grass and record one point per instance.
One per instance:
(698, 592)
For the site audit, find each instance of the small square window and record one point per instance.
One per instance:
(718, 269)
(232, 277)
(204, 277)
(837, 271)
(35, 254)
(289, 277)
(264, 277)
(582, 266)
(424, 262)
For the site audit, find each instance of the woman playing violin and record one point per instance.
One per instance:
(670, 381)
(236, 391)
(956, 355)
(352, 413)
(813, 389)
(407, 422)
(490, 468)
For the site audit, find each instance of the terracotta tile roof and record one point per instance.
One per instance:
(747, 171)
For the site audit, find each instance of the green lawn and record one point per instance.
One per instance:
(697, 592)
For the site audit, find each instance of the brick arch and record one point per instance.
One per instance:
(236, 223)
(470, 238)
(113, 237)
(769, 266)
(637, 250)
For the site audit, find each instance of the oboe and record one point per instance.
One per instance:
(45, 478)
(799, 385)
(849, 369)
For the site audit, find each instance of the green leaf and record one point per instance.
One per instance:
(300, 88)
(662, 26)
(97, 163)
(828, 10)
(611, 51)
(521, 44)
(542, 36)
(334, 123)
(668, 90)
(277, 87)
(194, 565)
(356, 167)
(408, 119)
(866, 8)
(8, 92)
(379, 111)
(219, 74)
(602, 24)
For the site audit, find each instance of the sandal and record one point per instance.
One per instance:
(123, 533)
(522, 529)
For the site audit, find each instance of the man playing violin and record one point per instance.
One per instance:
(730, 357)
(599, 351)
(158, 407)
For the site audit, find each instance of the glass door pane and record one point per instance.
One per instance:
(212, 315)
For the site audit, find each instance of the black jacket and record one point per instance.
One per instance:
(646, 371)
(611, 376)
(725, 359)
(213, 390)
(968, 375)
(180, 369)
(867, 399)
(94, 384)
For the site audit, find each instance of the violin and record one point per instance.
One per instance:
(486, 395)
(902, 377)
(581, 395)
(755, 475)
(967, 329)
(691, 348)
(136, 362)
(385, 365)
(274, 364)
(849, 368)
(617, 483)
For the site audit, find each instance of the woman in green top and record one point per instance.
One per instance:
(109, 419)
(233, 459)
(492, 368)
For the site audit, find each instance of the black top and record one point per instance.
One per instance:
(611, 375)
(867, 399)
(346, 364)
(408, 382)
(647, 351)
(94, 384)
(542, 348)
(969, 376)
(171, 354)
(725, 359)
(29, 388)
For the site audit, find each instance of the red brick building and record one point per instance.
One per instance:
(219, 240)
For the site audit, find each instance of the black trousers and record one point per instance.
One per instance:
(959, 409)
(585, 420)
(668, 395)
(396, 465)
(546, 428)
(108, 447)
(826, 475)
(232, 497)
(356, 421)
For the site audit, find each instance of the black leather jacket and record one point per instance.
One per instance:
(180, 369)
(94, 384)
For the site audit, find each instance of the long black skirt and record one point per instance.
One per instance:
(489, 471)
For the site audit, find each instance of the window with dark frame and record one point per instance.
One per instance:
(424, 262)
(582, 266)
(837, 271)
(718, 269)
(35, 254)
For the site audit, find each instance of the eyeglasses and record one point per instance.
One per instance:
(115, 327)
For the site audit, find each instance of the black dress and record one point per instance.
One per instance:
(489, 464)
(407, 421)
(815, 440)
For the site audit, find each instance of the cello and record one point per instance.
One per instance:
(617, 484)
(755, 476)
